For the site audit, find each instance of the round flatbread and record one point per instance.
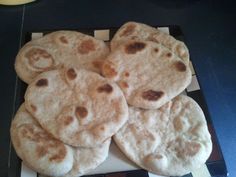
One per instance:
(140, 31)
(79, 107)
(148, 73)
(169, 141)
(49, 156)
(60, 48)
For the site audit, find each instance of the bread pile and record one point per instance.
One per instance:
(82, 92)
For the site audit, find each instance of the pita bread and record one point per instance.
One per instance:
(139, 31)
(148, 73)
(61, 48)
(169, 141)
(78, 107)
(49, 156)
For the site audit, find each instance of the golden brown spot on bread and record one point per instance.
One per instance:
(53, 148)
(58, 157)
(108, 71)
(86, 46)
(117, 107)
(169, 54)
(134, 47)
(71, 74)
(45, 143)
(195, 129)
(152, 95)
(124, 84)
(102, 128)
(41, 151)
(192, 148)
(97, 64)
(39, 58)
(29, 132)
(42, 82)
(180, 66)
(33, 107)
(68, 120)
(127, 74)
(128, 30)
(63, 40)
(156, 50)
(81, 112)
(107, 88)
(178, 124)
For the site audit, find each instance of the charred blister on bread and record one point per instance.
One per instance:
(42, 82)
(180, 66)
(107, 88)
(169, 55)
(71, 73)
(134, 47)
(126, 74)
(152, 95)
(156, 49)
(81, 112)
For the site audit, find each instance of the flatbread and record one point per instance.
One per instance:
(49, 156)
(169, 141)
(60, 48)
(148, 73)
(79, 107)
(140, 31)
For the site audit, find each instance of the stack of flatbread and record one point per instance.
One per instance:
(82, 92)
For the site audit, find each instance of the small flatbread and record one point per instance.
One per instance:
(79, 107)
(60, 48)
(148, 73)
(169, 141)
(49, 156)
(140, 31)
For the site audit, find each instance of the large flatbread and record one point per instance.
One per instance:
(49, 156)
(169, 141)
(140, 31)
(60, 48)
(148, 73)
(79, 107)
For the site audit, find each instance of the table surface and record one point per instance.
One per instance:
(209, 29)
